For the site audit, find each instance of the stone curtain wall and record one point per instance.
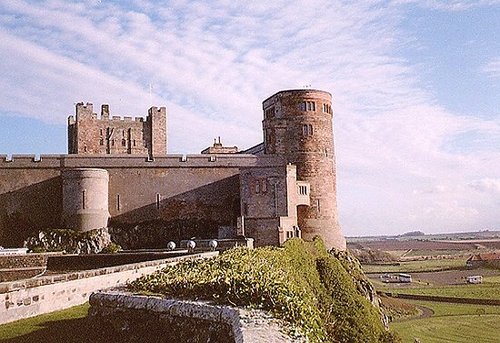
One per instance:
(189, 195)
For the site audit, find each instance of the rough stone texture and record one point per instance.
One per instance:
(134, 318)
(91, 242)
(88, 134)
(31, 297)
(298, 125)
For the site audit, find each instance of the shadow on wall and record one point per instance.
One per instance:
(197, 213)
(29, 209)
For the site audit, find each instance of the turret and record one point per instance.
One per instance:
(298, 125)
(157, 120)
(85, 198)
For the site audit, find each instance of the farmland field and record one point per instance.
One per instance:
(452, 323)
(416, 266)
(438, 270)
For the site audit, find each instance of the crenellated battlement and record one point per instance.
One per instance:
(90, 133)
(83, 111)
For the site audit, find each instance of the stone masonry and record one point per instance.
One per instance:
(118, 174)
(90, 134)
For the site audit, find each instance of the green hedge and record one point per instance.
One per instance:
(301, 283)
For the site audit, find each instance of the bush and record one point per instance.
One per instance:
(301, 283)
(111, 248)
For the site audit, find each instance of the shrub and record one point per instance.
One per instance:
(111, 248)
(301, 283)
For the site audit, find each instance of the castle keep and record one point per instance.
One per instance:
(117, 173)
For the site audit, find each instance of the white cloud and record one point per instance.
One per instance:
(487, 185)
(212, 63)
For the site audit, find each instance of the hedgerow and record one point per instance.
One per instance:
(301, 283)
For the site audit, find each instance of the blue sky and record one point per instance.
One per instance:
(415, 87)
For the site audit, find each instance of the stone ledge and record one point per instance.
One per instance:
(6, 287)
(202, 320)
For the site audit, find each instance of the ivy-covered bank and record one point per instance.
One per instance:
(318, 292)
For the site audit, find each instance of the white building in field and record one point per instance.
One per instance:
(475, 279)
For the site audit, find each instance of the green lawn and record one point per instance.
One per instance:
(452, 323)
(67, 325)
(416, 266)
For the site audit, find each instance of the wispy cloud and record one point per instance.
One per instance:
(212, 63)
(492, 68)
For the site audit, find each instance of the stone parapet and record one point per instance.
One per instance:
(137, 161)
(124, 316)
(32, 297)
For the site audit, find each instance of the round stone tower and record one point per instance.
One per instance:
(85, 198)
(298, 125)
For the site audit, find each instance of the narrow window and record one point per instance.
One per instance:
(264, 186)
(310, 130)
(134, 142)
(158, 198)
(124, 142)
(257, 187)
(84, 199)
(304, 130)
(303, 190)
(100, 132)
(118, 205)
(317, 205)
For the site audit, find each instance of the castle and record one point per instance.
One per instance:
(117, 173)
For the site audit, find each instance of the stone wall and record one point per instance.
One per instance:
(180, 197)
(27, 298)
(130, 318)
(15, 267)
(90, 134)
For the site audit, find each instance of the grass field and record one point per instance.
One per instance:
(452, 323)
(416, 266)
(63, 326)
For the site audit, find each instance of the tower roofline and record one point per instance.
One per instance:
(298, 90)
